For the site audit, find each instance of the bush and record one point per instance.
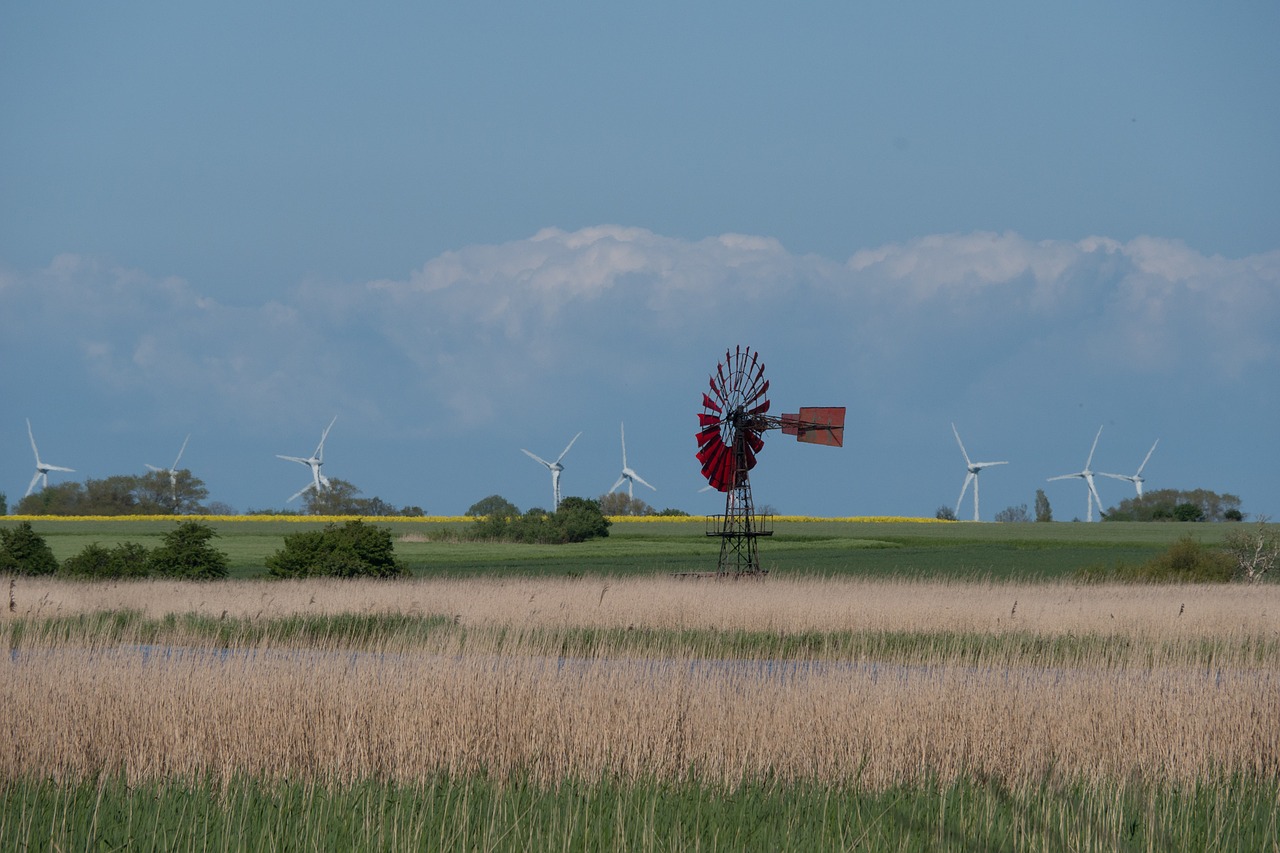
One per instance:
(186, 553)
(577, 520)
(24, 552)
(126, 560)
(945, 513)
(353, 549)
(1185, 561)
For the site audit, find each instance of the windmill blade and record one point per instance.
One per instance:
(32, 487)
(48, 468)
(535, 457)
(319, 454)
(1094, 491)
(1146, 459)
(624, 446)
(1066, 477)
(297, 459)
(641, 480)
(981, 465)
(182, 450)
(300, 492)
(1125, 477)
(964, 452)
(154, 468)
(1089, 461)
(614, 487)
(968, 478)
(566, 449)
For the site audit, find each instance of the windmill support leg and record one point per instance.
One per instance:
(739, 528)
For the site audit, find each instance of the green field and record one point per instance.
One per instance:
(898, 549)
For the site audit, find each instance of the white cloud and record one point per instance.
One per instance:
(495, 320)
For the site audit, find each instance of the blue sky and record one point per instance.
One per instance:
(467, 231)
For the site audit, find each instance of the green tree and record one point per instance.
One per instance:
(1043, 511)
(579, 519)
(621, 503)
(354, 549)
(494, 505)
(4, 504)
(126, 560)
(24, 552)
(1162, 505)
(945, 513)
(343, 498)
(181, 494)
(186, 552)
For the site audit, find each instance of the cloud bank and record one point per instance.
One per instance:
(613, 318)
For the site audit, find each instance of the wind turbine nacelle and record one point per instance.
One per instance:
(816, 425)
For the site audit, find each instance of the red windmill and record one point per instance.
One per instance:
(734, 419)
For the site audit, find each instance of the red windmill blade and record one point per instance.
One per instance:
(737, 397)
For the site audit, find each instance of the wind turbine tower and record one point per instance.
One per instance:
(172, 470)
(629, 476)
(973, 469)
(315, 462)
(555, 468)
(1136, 478)
(1086, 474)
(42, 468)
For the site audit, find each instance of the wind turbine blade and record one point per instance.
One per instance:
(624, 445)
(961, 443)
(59, 468)
(154, 468)
(639, 479)
(1064, 477)
(1148, 457)
(1124, 477)
(566, 449)
(32, 436)
(31, 488)
(981, 465)
(182, 450)
(300, 492)
(1089, 461)
(614, 487)
(297, 459)
(1094, 491)
(968, 478)
(535, 457)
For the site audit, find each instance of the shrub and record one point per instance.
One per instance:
(186, 553)
(126, 560)
(577, 520)
(25, 552)
(353, 549)
(1186, 561)
(945, 513)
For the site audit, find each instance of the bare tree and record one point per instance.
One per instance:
(1255, 551)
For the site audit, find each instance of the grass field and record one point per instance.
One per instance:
(889, 686)
(882, 549)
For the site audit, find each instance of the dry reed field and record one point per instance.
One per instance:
(904, 683)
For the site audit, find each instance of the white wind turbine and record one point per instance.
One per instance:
(172, 470)
(314, 462)
(1086, 474)
(1136, 478)
(973, 468)
(629, 476)
(555, 468)
(42, 468)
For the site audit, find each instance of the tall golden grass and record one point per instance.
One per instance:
(497, 698)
